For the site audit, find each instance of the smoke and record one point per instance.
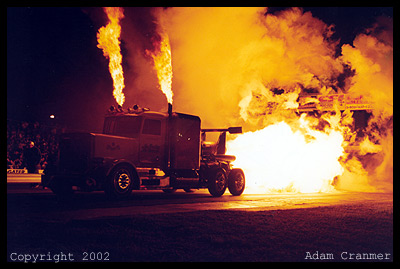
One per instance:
(205, 43)
(139, 28)
(371, 56)
(247, 66)
(231, 56)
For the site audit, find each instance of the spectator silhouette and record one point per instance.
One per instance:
(32, 158)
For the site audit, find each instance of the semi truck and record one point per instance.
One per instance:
(141, 149)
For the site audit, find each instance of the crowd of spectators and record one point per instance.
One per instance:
(19, 136)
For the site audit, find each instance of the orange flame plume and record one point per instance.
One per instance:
(163, 66)
(108, 38)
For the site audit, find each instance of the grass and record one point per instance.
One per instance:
(223, 235)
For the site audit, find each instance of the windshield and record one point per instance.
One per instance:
(128, 126)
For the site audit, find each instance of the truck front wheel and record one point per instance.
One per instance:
(120, 182)
(236, 182)
(217, 182)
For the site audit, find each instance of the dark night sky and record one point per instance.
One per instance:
(54, 66)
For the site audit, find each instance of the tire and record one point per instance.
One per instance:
(120, 182)
(217, 182)
(236, 182)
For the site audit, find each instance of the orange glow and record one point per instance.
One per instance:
(108, 40)
(163, 66)
(249, 67)
(280, 158)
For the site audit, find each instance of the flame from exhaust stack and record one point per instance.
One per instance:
(108, 39)
(163, 65)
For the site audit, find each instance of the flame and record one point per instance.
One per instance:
(247, 66)
(163, 66)
(108, 39)
(281, 158)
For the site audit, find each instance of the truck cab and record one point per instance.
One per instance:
(146, 131)
(142, 149)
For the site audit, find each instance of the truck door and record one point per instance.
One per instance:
(152, 143)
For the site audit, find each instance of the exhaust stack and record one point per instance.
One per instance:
(168, 139)
(169, 109)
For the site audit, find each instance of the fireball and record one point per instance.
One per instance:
(278, 158)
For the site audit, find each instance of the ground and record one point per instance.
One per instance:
(154, 226)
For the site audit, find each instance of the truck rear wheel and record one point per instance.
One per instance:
(236, 182)
(217, 182)
(120, 182)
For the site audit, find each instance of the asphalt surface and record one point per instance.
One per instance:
(25, 202)
(156, 226)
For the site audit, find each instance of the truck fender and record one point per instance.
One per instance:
(116, 163)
